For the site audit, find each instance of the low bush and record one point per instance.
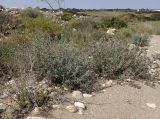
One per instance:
(5, 55)
(27, 97)
(5, 23)
(65, 63)
(141, 40)
(155, 16)
(125, 33)
(42, 24)
(114, 22)
(74, 23)
(62, 62)
(114, 58)
(31, 13)
(66, 16)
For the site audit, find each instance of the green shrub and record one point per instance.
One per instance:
(66, 16)
(141, 40)
(155, 16)
(42, 24)
(74, 23)
(114, 22)
(5, 23)
(5, 51)
(31, 13)
(64, 63)
(125, 33)
(41, 97)
(76, 58)
(29, 97)
(114, 58)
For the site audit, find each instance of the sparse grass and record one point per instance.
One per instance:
(150, 27)
(141, 40)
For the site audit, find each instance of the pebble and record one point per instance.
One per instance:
(151, 105)
(87, 95)
(56, 106)
(109, 83)
(79, 105)
(71, 109)
(36, 111)
(77, 94)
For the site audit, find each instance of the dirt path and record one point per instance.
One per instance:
(121, 102)
(154, 45)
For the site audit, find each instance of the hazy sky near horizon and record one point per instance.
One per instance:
(88, 4)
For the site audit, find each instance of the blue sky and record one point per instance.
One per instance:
(96, 4)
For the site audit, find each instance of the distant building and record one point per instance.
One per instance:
(156, 10)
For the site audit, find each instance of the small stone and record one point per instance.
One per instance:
(151, 105)
(77, 94)
(50, 89)
(36, 111)
(103, 85)
(109, 83)
(52, 94)
(87, 95)
(45, 86)
(104, 90)
(154, 62)
(3, 96)
(129, 80)
(81, 111)
(56, 106)
(57, 88)
(71, 109)
(3, 106)
(66, 89)
(79, 105)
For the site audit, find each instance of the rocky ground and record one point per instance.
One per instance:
(125, 100)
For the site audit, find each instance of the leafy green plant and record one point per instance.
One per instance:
(41, 24)
(41, 97)
(124, 33)
(66, 16)
(114, 22)
(31, 13)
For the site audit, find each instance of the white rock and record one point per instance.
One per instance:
(3, 96)
(151, 105)
(66, 89)
(103, 85)
(104, 90)
(77, 94)
(111, 31)
(79, 105)
(81, 111)
(36, 111)
(128, 80)
(71, 108)
(56, 106)
(87, 95)
(109, 83)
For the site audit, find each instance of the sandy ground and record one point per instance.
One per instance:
(121, 102)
